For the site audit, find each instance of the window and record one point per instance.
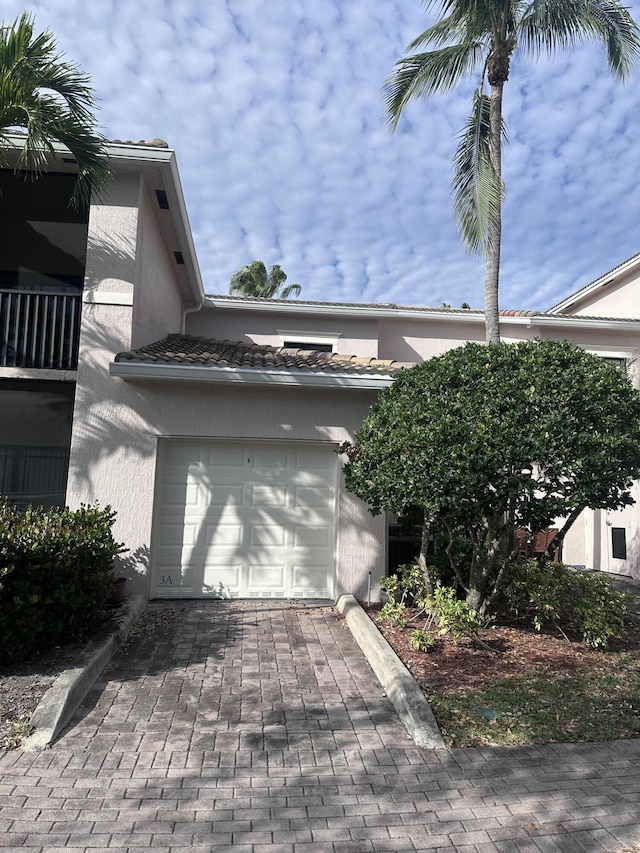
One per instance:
(319, 341)
(618, 543)
(314, 345)
(35, 437)
(619, 363)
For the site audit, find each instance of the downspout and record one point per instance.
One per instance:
(184, 314)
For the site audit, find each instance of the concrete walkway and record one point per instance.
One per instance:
(260, 727)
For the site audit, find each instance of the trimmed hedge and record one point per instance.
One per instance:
(55, 575)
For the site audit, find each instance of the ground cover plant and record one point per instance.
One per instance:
(521, 677)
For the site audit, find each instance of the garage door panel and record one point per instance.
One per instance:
(306, 582)
(269, 577)
(230, 496)
(318, 496)
(305, 536)
(172, 534)
(245, 520)
(311, 458)
(223, 579)
(267, 496)
(224, 457)
(221, 535)
(270, 535)
(269, 457)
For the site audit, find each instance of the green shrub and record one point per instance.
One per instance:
(394, 613)
(452, 615)
(406, 585)
(56, 575)
(574, 601)
(407, 589)
(421, 640)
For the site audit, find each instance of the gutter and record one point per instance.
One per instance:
(249, 376)
(387, 311)
(333, 309)
(604, 323)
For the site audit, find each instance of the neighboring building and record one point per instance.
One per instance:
(211, 424)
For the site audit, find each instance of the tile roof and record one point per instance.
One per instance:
(149, 143)
(204, 352)
(391, 306)
(419, 309)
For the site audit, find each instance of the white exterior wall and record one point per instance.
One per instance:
(157, 307)
(357, 336)
(130, 298)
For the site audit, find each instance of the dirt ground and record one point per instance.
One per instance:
(513, 648)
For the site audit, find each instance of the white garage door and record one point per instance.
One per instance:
(236, 520)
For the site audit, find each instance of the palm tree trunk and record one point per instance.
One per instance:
(492, 260)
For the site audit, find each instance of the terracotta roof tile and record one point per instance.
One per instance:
(191, 350)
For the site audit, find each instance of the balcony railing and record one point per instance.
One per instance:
(39, 329)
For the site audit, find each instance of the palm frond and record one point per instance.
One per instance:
(286, 292)
(52, 101)
(476, 16)
(478, 191)
(550, 25)
(443, 32)
(424, 74)
(252, 280)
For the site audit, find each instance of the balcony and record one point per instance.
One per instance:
(39, 329)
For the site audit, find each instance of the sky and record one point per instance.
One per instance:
(275, 109)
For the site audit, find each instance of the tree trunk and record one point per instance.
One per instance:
(422, 558)
(494, 237)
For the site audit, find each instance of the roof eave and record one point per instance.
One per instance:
(164, 159)
(332, 308)
(603, 323)
(131, 370)
(602, 281)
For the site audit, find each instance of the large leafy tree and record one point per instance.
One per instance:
(254, 280)
(51, 101)
(485, 440)
(481, 36)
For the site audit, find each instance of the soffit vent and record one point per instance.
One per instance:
(163, 201)
(179, 258)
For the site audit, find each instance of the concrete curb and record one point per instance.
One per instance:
(400, 686)
(59, 703)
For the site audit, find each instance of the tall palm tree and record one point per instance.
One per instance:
(482, 35)
(51, 101)
(254, 280)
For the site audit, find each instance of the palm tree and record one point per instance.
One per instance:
(253, 280)
(51, 101)
(482, 35)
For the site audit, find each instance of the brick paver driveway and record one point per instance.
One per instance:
(260, 727)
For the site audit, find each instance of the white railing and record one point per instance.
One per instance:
(39, 329)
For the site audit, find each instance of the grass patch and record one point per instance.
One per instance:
(592, 704)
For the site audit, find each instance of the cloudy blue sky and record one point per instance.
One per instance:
(275, 110)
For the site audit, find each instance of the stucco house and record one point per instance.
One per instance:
(211, 423)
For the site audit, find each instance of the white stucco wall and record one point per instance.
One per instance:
(111, 242)
(357, 336)
(157, 307)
